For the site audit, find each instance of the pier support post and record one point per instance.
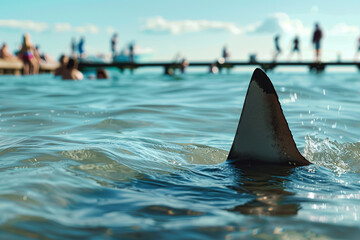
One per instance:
(317, 67)
(358, 66)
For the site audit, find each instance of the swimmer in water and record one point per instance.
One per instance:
(62, 68)
(101, 73)
(72, 73)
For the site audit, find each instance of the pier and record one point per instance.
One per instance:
(15, 67)
(267, 66)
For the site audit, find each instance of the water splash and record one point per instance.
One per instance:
(339, 157)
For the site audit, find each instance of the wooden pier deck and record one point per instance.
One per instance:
(267, 66)
(15, 67)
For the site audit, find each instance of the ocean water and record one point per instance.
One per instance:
(142, 157)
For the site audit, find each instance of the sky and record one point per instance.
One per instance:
(197, 30)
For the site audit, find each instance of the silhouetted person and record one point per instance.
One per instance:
(252, 58)
(42, 56)
(338, 56)
(71, 72)
(73, 47)
(295, 47)
(131, 52)
(101, 73)
(177, 58)
(317, 42)
(81, 47)
(225, 53)
(28, 54)
(277, 47)
(184, 63)
(114, 42)
(357, 49)
(62, 68)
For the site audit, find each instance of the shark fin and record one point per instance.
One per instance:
(263, 134)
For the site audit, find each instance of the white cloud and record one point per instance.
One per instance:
(62, 27)
(344, 29)
(110, 30)
(280, 23)
(27, 25)
(67, 27)
(87, 28)
(275, 23)
(24, 25)
(161, 25)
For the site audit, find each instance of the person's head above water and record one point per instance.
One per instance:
(101, 73)
(263, 135)
(63, 59)
(72, 63)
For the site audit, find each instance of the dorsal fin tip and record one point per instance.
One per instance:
(260, 77)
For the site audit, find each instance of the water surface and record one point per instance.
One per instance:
(142, 156)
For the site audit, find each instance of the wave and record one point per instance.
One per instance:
(339, 157)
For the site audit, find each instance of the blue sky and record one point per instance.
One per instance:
(196, 29)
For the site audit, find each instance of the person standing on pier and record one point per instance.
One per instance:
(114, 42)
(184, 63)
(132, 52)
(296, 48)
(277, 47)
(73, 47)
(81, 48)
(317, 36)
(28, 54)
(225, 53)
(357, 50)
